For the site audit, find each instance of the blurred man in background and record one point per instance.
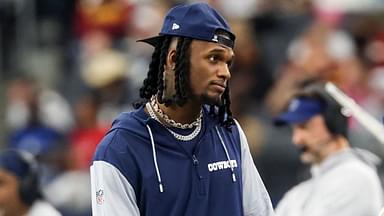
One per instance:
(20, 194)
(344, 180)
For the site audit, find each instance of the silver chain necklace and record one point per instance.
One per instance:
(180, 137)
(172, 122)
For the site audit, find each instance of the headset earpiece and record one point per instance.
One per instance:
(29, 188)
(336, 121)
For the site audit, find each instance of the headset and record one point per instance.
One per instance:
(23, 165)
(29, 187)
(335, 120)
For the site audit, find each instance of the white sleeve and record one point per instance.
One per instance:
(112, 194)
(291, 204)
(349, 189)
(256, 201)
(381, 212)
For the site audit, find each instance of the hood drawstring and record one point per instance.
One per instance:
(155, 159)
(161, 189)
(226, 152)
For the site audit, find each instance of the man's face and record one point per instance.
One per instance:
(313, 139)
(9, 193)
(209, 70)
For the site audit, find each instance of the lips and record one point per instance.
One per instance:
(303, 149)
(220, 88)
(219, 84)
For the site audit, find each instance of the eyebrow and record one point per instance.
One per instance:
(221, 51)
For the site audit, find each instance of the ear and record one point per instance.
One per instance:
(170, 62)
(169, 75)
(171, 59)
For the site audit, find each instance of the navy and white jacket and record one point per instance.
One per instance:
(139, 168)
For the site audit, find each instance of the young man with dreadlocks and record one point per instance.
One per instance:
(181, 152)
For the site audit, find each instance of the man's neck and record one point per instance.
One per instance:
(185, 114)
(338, 144)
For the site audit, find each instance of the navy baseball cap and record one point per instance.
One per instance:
(17, 162)
(198, 21)
(300, 110)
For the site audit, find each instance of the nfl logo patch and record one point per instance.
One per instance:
(100, 197)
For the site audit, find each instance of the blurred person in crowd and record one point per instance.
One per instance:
(105, 73)
(73, 182)
(374, 51)
(103, 69)
(28, 103)
(251, 78)
(181, 152)
(306, 59)
(248, 84)
(109, 16)
(32, 115)
(100, 27)
(323, 52)
(139, 54)
(87, 132)
(19, 186)
(344, 179)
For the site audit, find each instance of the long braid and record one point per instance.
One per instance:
(223, 112)
(182, 71)
(150, 83)
(160, 70)
(226, 117)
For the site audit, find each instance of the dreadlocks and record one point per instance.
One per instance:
(150, 84)
(154, 83)
(182, 70)
(225, 113)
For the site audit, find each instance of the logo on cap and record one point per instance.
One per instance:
(175, 26)
(294, 105)
(197, 21)
(215, 38)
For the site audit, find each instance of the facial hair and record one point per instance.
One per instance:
(211, 100)
(313, 157)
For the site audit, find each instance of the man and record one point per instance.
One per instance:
(180, 152)
(344, 180)
(19, 188)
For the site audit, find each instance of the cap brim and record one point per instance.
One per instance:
(291, 118)
(154, 41)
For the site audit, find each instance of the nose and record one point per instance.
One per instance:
(297, 136)
(224, 72)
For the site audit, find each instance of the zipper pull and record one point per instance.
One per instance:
(195, 161)
(233, 177)
(201, 183)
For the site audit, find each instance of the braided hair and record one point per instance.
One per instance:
(153, 84)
